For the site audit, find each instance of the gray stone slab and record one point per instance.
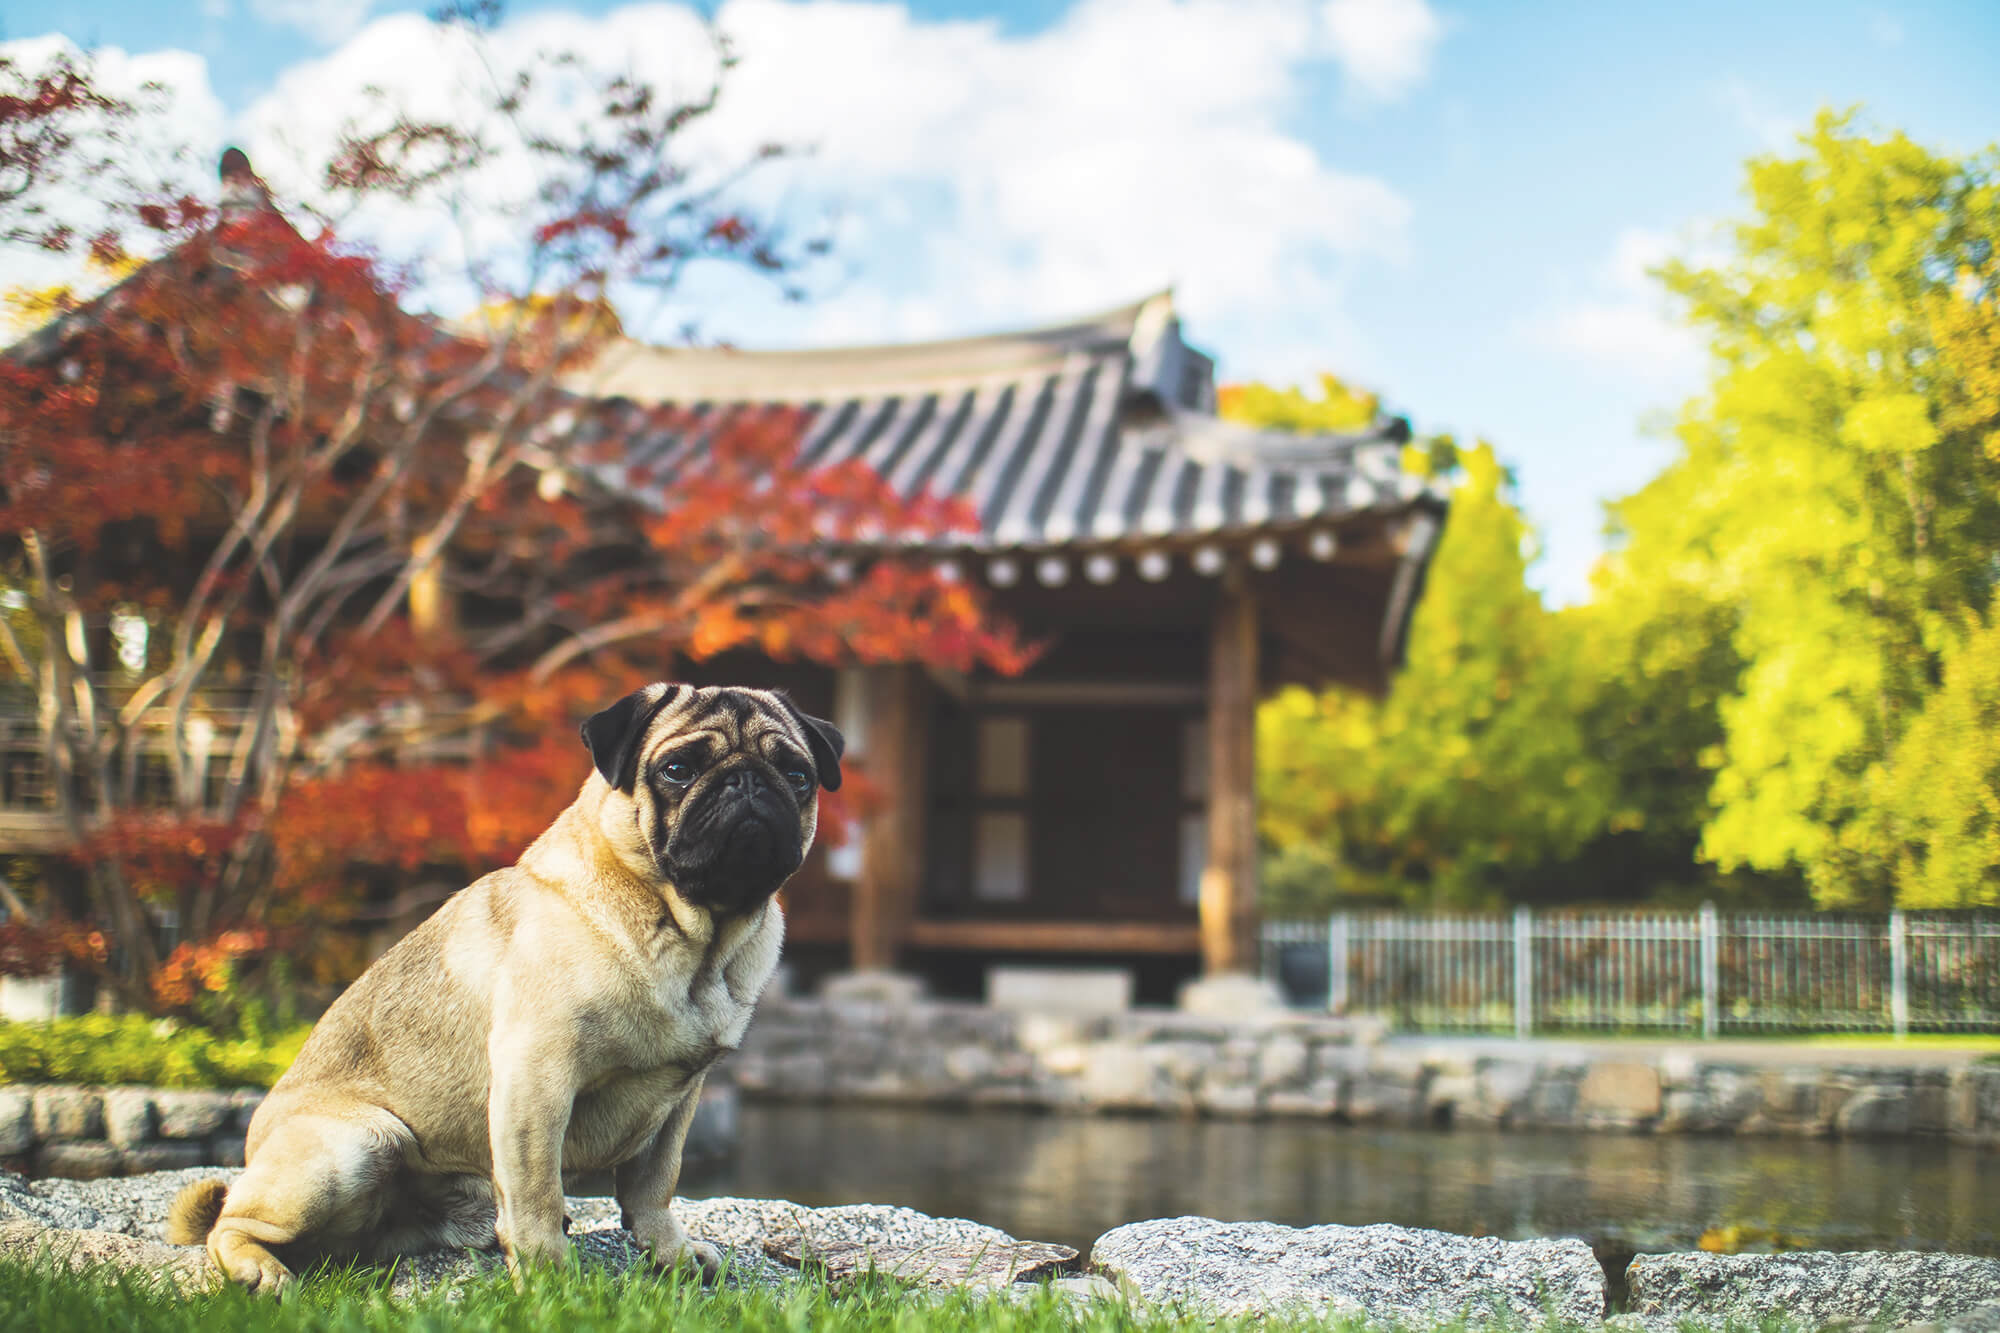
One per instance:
(1377, 1272)
(1813, 1286)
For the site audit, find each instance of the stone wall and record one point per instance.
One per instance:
(89, 1133)
(1165, 1062)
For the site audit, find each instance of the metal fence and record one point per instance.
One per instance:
(1704, 972)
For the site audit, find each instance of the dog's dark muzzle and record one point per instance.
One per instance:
(737, 842)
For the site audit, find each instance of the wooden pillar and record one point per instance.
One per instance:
(892, 859)
(433, 601)
(1229, 880)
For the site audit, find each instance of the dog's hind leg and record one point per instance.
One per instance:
(318, 1185)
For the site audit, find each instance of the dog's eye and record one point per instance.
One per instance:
(800, 779)
(677, 771)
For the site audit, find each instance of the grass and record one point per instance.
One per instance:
(1984, 1042)
(49, 1300)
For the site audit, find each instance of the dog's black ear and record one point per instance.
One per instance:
(825, 741)
(612, 735)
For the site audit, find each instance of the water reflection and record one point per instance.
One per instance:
(1070, 1178)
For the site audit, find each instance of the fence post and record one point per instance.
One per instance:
(1336, 963)
(1899, 973)
(1711, 979)
(1524, 972)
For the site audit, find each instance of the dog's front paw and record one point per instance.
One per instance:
(699, 1255)
(671, 1248)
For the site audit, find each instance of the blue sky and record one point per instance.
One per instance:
(1452, 203)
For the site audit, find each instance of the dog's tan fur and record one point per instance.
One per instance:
(555, 1017)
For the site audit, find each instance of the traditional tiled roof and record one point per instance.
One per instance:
(1099, 431)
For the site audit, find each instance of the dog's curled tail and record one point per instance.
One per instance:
(194, 1212)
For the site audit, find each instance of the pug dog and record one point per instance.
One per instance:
(554, 1017)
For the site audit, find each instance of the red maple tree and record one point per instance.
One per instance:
(298, 579)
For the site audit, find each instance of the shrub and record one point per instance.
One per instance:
(131, 1048)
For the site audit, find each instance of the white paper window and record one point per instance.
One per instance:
(1194, 855)
(1000, 858)
(1003, 756)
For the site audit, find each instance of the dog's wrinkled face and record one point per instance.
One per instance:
(722, 786)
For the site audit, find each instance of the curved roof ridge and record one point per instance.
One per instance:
(1212, 439)
(646, 373)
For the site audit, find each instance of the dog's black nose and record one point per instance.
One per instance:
(744, 782)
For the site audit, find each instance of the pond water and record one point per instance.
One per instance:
(1071, 1178)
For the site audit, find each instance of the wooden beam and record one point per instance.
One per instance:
(892, 857)
(1087, 694)
(1153, 937)
(1229, 880)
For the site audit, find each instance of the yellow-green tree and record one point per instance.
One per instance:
(1474, 770)
(1834, 509)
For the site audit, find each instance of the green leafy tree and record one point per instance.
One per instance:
(1834, 510)
(1474, 770)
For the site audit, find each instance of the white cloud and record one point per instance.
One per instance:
(325, 21)
(1624, 322)
(1383, 46)
(972, 178)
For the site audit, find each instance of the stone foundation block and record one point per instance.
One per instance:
(128, 1116)
(90, 1160)
(1875, 1113)
(1282, 1063)
(191, 1115)
(1623, 1092)
(17, 1121)
(68, 1113)
(164, 1157)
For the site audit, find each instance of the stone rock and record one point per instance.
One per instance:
(1791, 1095)
(1114, 1075)
(176, 1156)
(184, 1268)
(1449, 1095)
(1882, 1112)
(1059, 990)
(1505, 1087)
(1981, 1318)
(984, 1265)
(191, 1115)
(1812, 1287)
(56, 1203)
(17, 1121)
(1227, 1099)
(1234, 995)
(1321, 1097)
(243, 1105)
(1281, 1062)
(1087, 1287)
(892, 990)
(91, 1159)
(135, 1208)
(1381, 1272)
(1622, 1091)
(68, 1113)
(128, 1116)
